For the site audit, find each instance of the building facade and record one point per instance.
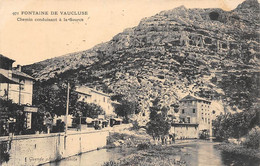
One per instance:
(90, 95)
(16, 86)
(196, 110)
(193, 116)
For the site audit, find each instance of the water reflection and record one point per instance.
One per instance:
(94, 158)
(205, 154)
(202, 154)
(195, 154)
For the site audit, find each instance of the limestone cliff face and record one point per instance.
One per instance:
(209, 52)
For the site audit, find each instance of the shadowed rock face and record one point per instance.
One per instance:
(174, 52)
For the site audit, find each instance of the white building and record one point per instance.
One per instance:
(196, 110)
(90, 95)
(16, 86)
(194, 115)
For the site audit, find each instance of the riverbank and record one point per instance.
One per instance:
(149, 155)
(138, 148)
(238, 149)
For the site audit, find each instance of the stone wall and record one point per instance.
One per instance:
(184, 130)
(44, 148)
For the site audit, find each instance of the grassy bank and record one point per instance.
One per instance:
(138, 149)
(150, 156)
(239, 149)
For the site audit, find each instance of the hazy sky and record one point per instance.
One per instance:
(31, 41)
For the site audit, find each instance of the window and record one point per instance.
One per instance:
(104, 99)
(183, 111)
(194, 111)
(188, 119)
(22, 82)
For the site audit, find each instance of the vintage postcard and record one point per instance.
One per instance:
(129, 82)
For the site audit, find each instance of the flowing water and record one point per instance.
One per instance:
(194, 153)
(205, 154)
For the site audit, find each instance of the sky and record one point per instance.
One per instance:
(28, 42)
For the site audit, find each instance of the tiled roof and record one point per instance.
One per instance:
(4, 79)
(1, 56)
(87, 91)
(21, 74)
(192, 97)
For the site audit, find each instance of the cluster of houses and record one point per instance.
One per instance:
(193, 116)
(16, 86)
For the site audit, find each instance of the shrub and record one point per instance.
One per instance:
(253, 139)
(135, 125)
(142, 146)
(116, 136)
(4, 152)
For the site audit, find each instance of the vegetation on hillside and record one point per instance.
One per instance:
(158, 126)
(236, 125)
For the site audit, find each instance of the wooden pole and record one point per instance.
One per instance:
(80, 122)
(7, 91)
(67, 110)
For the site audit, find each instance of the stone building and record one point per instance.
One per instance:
(194, 116)
(16, 86)
(195, 110)
(90, 95)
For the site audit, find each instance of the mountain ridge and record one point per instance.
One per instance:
(209, 52)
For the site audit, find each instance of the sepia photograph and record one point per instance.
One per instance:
(130, 83)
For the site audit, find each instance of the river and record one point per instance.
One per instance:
(199, 153)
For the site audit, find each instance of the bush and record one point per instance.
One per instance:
(235, 125)
(253, 139)
(4, 152)
(28, 131)
(117, 136)
(135, 125)
(142, 146)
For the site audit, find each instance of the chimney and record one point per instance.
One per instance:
(19, 68)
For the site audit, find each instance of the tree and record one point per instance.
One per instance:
(10, 110)
(88, 110)
(235, 125)
(158, 126)
(52, 97)
(127, 108)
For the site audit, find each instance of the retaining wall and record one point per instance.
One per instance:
(43, 148)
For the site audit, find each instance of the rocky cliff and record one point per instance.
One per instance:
(210, 52)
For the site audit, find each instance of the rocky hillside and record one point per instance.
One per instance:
(209, 52)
